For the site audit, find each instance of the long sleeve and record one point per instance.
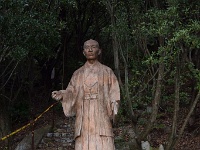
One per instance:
(114, 94)
(114, 88)
(68, 101)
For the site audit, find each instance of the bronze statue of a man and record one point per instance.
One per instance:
(92, 95)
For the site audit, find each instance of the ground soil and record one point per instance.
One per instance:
(190, 139)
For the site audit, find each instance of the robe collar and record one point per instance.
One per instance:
(94, 66)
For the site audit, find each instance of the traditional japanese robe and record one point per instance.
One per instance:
(89, 96)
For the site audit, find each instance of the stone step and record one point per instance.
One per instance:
(62, 138)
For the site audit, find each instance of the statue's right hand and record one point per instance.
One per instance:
(57, 95)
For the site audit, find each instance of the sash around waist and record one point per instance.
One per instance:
(89, 96)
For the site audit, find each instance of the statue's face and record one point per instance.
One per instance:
(91, 50)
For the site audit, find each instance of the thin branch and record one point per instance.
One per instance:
(188, 116)
(146, 84)
(173, 134)
(6, 68)
(6, 97)
(9, 76)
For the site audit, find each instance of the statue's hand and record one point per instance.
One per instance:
(115, 107)
(57, 95)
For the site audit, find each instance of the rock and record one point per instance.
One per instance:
(49, 134)
(65, 144)
(145, 145)
(149, 109)
(46, 140)
(131, 133)
(161, 147)
(60, 148)
(57, 134)
(64, 135)
(26, 143)
(60, 130)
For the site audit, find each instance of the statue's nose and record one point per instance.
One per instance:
(90, 49)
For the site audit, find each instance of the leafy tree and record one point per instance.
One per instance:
(154, 43)
(154, 46)
(30, 32)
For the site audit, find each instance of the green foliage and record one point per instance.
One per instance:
(169, 109)
(71, 3)
(177, 26)
(159, 126)
(30, 33)
(184, 98)
(142, 121)
(148, 34)
(29, 28)
(195, 73)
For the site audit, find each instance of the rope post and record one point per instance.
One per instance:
(53, 121)
(32, 122)
(32, 132)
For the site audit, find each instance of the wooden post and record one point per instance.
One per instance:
(32, 146)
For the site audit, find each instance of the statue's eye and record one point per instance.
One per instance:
(90, 47)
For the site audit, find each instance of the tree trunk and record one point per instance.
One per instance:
(187, 118)
(134, 144)
(173, 134)
(4, 122)
(157, 95)
(110, 6)
(4, 115)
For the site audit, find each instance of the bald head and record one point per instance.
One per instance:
(91, 50)
(91, 42)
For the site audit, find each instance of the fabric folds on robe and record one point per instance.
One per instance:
(73, 104)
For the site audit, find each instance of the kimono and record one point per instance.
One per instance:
(89, 96)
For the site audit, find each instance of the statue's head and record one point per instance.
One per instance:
(91, 49)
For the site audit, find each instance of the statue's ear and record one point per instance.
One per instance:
(99, 52)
